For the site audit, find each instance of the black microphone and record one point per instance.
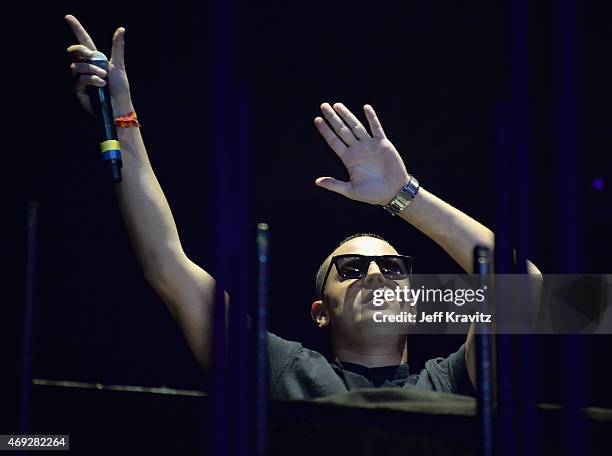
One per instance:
(103, 113)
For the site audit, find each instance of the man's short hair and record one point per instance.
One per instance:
(323, 268)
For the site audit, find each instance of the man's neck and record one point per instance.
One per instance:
(373, 353)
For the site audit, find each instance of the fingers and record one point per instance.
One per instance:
(335, 185)
(330, 137)
(87, 74)
(375, 126)
(118, 45)
(79, 52)
(353, 123)
(80, 32)
(82, 82)
(337, 124)
(78, 68)
(88, 79)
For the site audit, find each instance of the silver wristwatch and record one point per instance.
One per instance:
(403, 199)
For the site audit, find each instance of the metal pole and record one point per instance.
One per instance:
(503, 265)
(522, 183)
(231, 376)
(261, 328)
(483, 355)
(568, 191)
(28, 319)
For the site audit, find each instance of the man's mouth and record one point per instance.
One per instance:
(367, 300)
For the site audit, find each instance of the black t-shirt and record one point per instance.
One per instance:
(299, 373)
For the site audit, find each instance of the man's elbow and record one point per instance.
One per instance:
(533, 269)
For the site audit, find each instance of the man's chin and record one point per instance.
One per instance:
(377, 321)
(370, 309)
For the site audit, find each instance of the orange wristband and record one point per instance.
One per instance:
(128, 120)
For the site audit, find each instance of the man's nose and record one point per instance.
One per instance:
(374, 278)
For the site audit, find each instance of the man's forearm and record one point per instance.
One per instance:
(187, 289)
(454, 231)
(143, 205)
(458, 234)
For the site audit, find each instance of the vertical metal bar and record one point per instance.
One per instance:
(261, 325)
(569, 221)
(503, 265)
(28, 319)
(522, 201)
(228, 407)
(483, 356)
(530, 425)
(521, 118)
(242, 350)
(503, 189)
(567, 122)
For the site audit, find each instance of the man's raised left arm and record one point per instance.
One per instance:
(377, 173)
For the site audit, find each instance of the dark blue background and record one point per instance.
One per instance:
(433, 71)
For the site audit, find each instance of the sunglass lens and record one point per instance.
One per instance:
(395, 268)
(351, 267)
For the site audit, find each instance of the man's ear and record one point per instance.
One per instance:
(319, 314)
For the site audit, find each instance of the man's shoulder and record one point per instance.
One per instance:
(282, 350)
(299, 373)
(277, 345)
(282, 354)
(449, 374)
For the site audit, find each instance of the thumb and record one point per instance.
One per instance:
(118, 44)
(334, 185)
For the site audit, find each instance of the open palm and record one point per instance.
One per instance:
(376, 170)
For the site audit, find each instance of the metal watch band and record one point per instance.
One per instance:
(403, 199)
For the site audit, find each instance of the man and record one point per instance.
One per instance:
(364, 357)
(346, 283)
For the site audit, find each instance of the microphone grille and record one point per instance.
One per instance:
(99, 59)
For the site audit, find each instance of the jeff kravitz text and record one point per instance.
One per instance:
(436, 317)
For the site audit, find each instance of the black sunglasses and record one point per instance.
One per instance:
(354, 266)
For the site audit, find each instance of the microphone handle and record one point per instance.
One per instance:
(107, 133)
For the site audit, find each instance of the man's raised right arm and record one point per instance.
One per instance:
(187, 289)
